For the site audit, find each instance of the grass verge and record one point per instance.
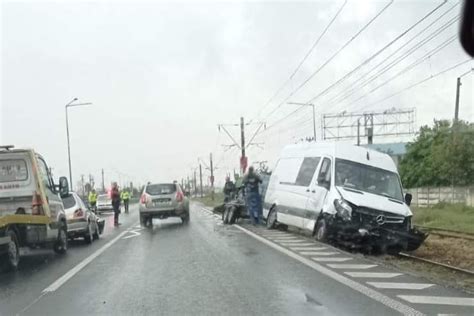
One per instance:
(456, 217)
(208, 201)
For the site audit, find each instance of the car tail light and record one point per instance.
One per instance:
(143, 198)
(79, 213)
(179, 196)
(37, 204)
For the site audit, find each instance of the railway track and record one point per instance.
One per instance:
(446, 232)
(450, 267)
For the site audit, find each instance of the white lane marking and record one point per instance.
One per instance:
(400, 286)
(284, 238)
(63, 279)
(438, 300)
(318, 253)
(334, 259)
(307, 248)
(351, 266)
(133, 234)
(377, 275)
(292, 244)
(289, 241)
(367, 291)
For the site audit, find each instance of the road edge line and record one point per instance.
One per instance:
(81, 265)
(375, 295)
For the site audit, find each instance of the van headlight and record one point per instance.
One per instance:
(344, 210)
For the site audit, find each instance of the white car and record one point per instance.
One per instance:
(81, 222)
(343, 192)
(104, 203)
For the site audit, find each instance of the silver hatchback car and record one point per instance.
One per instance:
(163, 200)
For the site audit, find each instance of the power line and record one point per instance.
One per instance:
(304, 58)
(356, 86)
(350, 73)
(327, 62)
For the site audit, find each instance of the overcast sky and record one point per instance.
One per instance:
(161, 76)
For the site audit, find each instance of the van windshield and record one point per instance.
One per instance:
(369, 179)
(13, 170)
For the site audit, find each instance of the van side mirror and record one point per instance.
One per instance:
(63, 186)
(408, 198)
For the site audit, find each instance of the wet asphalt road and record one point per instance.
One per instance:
(200, 268)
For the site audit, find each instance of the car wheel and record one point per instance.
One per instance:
(12, 256)
(143, 220)
(232, 215)
(96, 231)
(321, 230)
(88, 236)
(272, 219)
(60, 246)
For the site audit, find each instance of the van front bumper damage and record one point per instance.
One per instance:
(378, 237)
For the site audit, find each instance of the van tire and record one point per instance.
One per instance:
(60, 246)
(272, 219)
(12, 257)
(225, 216)
(321, 230)
(96, 232)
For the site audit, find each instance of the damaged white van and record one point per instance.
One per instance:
(344, 193)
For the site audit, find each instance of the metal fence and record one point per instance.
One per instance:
(429, 196)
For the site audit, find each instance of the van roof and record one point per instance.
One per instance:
(341, 150)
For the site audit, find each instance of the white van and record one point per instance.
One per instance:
(341, 192)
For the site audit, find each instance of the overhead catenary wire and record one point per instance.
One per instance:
(314, 73)
(365, 62)
(304, 59)
(359, 84)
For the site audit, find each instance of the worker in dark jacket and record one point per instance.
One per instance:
(251, 182)
(115, 197)
(229, 189)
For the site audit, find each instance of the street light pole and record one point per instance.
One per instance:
(314, 115)
(70, 104)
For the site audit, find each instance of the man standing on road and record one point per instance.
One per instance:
(125, 196)
(115, 196)
(251, 181)
(93, 199)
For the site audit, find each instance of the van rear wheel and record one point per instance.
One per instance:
(12, 256)
(272, 219)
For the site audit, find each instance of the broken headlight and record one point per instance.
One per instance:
(344, 210)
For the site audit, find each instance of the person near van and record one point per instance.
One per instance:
(229, 189)
(251, 182)
(93, 199)
(125, 196)
(115, 197)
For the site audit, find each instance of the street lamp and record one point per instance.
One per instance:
(71, 104)
(314, 115)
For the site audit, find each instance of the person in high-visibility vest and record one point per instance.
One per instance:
(125, 196)
(93, 199)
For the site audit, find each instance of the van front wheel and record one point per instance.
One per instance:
(60, 246)
(321, 231)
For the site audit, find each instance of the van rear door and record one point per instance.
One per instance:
(16, 183)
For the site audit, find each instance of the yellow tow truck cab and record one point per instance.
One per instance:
(31, 210)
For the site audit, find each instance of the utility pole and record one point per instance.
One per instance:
(212, 177)
(456, 108)
(243, 158)
(195, 184)
(103, 183)
(358, 132)
(200, 177)
(82, 184)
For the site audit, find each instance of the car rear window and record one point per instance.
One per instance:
(69, 201)
(102, 198)
(13, 170)
(159, 189)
